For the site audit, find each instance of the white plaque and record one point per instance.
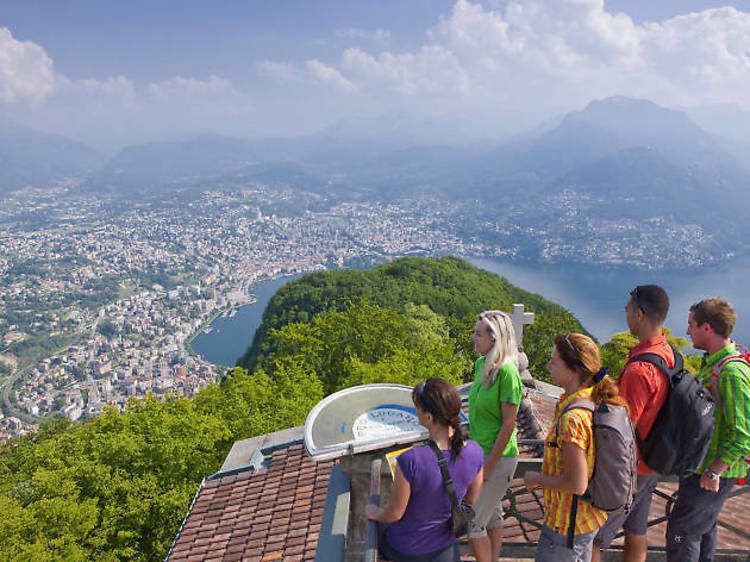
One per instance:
(385, 421)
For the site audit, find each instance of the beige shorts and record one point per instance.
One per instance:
(489, 508)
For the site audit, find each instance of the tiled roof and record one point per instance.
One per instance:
(268, 501)
(273, 513)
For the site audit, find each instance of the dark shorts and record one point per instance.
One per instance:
(635, 522)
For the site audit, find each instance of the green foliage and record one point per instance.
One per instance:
(450, 288)
(118, 486)
(614, 353)
(366, 343)
(106, 328)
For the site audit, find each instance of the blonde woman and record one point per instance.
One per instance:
(493, 404)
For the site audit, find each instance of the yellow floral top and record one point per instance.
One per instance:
(574, 426)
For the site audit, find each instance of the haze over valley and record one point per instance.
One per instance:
(140, 199)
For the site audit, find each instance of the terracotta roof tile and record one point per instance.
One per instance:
(275, 513)
(258, 515)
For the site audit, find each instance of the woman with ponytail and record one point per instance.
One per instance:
(493, 404)
(568, 463)
(419, 507)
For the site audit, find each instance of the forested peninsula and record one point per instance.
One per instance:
(118, 486)
(437, 299)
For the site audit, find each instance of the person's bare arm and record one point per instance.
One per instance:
(503, 436)
(573, 480)
(397, 503)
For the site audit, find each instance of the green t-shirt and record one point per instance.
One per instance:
(485, 406)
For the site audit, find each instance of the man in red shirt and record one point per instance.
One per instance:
(645, 388)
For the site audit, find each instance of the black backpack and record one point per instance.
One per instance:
(680, 437)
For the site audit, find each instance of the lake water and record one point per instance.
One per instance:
(595, 295)
(231, 337)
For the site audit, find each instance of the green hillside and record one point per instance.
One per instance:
(117, 487)
(453, 289)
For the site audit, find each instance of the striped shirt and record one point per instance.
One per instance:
(730, 442)
(575, 427)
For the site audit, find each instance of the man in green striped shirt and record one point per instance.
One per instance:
(691, 530)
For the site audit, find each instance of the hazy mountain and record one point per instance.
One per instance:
(729, 124)
(33, 158)
(285, 174)
(631, 149)
(165, 166)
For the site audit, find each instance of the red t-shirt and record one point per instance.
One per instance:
(645, 387)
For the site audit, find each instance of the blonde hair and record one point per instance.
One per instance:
(504, 347)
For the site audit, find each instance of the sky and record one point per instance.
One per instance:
(114, 73)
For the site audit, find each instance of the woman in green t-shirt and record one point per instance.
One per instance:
(493, 404)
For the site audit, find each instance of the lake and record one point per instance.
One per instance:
(230, 337)
(596, 296)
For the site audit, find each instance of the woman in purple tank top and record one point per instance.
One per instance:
(419, 507)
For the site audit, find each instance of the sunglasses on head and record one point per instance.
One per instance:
(637, 299)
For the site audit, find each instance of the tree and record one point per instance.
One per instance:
(614, 353)
(106, 328)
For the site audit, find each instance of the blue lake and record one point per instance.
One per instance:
(595, 295)
(230, 337)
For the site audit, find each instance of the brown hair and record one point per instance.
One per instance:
(718, 313)
(581, 354)
(441, 399)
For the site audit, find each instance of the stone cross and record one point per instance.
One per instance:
(520, 318)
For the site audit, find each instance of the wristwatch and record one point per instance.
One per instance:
(711, 474)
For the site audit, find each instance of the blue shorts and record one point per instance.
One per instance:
(553, 547)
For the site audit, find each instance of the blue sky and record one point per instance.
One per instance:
(111, 73)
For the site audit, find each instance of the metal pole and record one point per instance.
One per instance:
(371, 547)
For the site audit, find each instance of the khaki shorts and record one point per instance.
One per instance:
(489, 509)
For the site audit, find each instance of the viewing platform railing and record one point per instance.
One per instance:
(522, 550)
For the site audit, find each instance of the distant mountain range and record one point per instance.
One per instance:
(34, 158)
(632, 156)
(165, 166)
(627, 155)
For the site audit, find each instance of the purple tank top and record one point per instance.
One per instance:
(424, 526)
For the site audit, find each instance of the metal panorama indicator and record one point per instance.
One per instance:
(362, 418)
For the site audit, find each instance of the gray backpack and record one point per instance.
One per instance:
(612, 486)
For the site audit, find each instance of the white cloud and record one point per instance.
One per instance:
(368, 35)
(190, 88)
(434, 70)
(545, 53)
(26, 72)
(521, 60)
(276, 69)
(328, 75)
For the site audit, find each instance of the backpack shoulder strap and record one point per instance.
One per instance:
(742, 358)
(447, 480)
(581, 403)
(658, 362)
